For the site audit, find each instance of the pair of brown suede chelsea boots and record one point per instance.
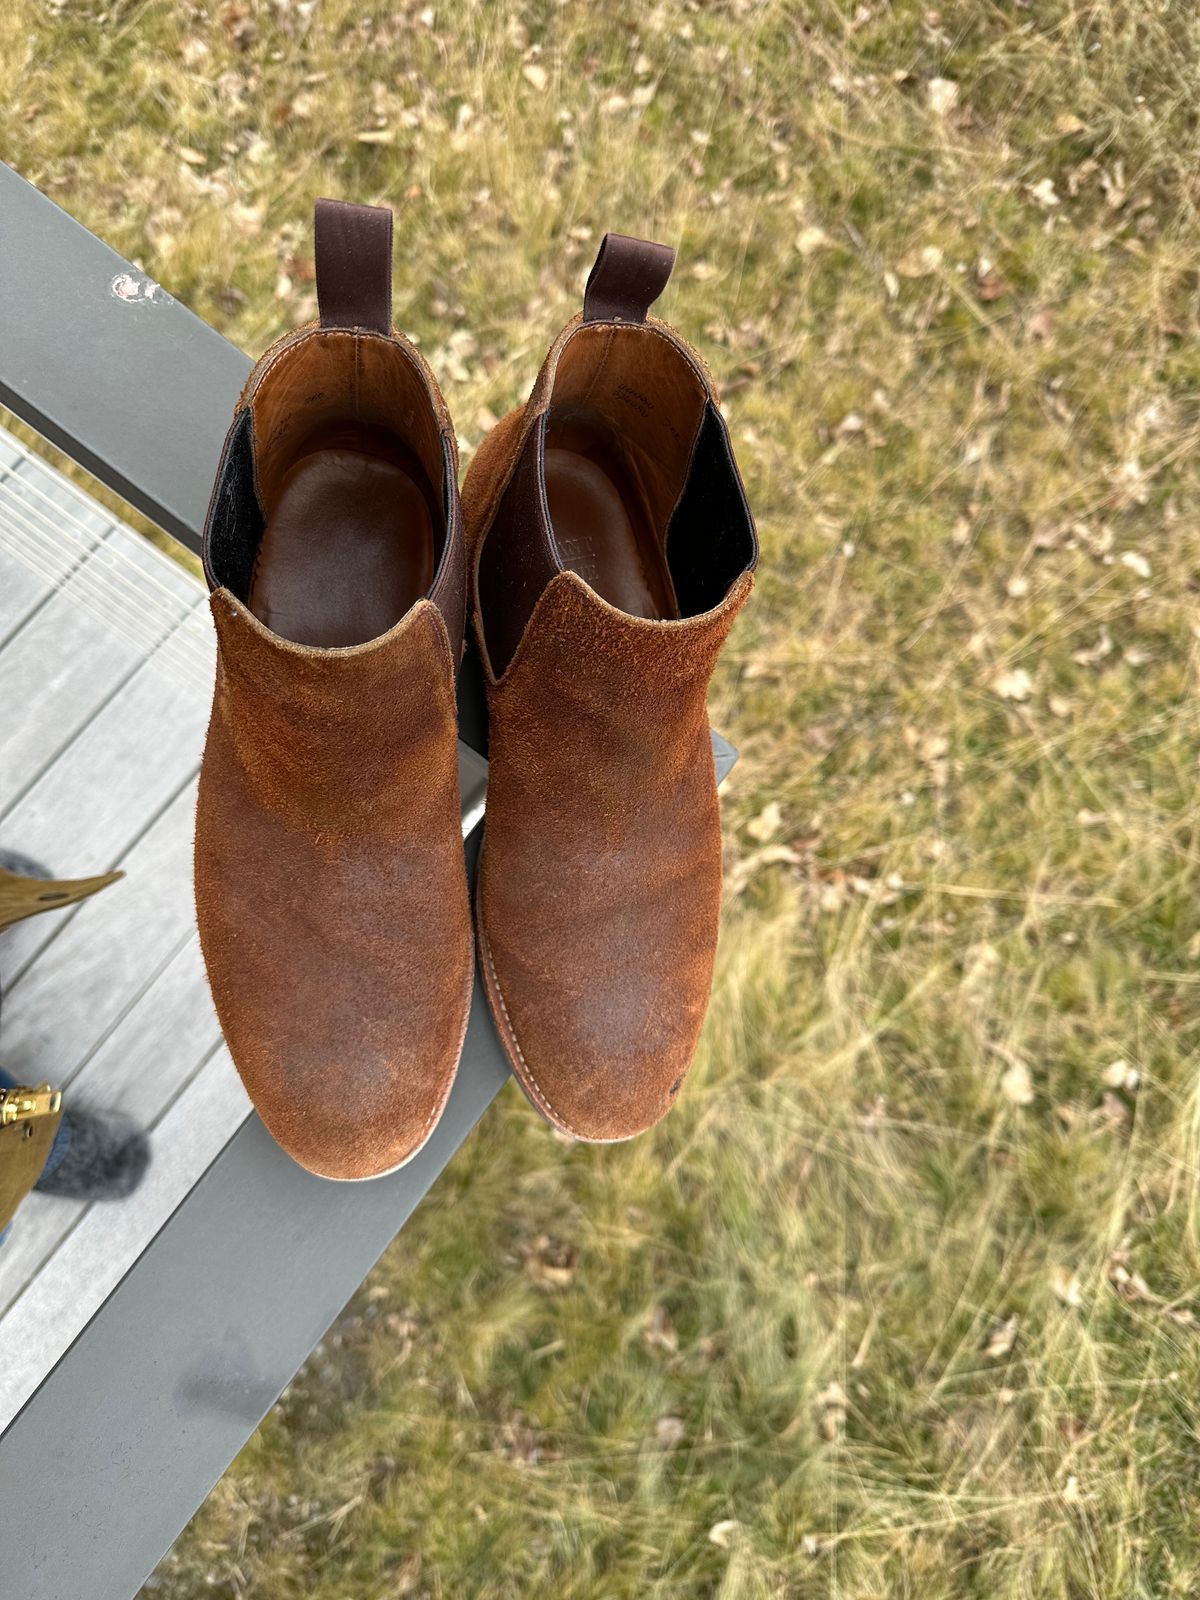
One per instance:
(601, 549)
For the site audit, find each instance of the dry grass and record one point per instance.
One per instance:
(903, 1299)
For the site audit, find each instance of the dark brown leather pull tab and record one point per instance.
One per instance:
(353, 249)
(627, 279)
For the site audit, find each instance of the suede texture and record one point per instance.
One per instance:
(599, 885)
(331, 892)
(331, 888)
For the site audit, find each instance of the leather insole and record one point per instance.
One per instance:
(600, 521)
(349, 545)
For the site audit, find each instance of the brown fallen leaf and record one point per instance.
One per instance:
(1113, 1110)
(810, 240)
(920, 263)
(831, 1411)
(1132, 1287)
(1065, 1286)
(549, 1261)
(943, 96)
(669, 1433)
(1095, 654)
(1001, 1339)
(659, 1333)
(1017, 1084)
(771, 855)
(1012, 683)
(767, 823)
(722, 1533)
(1120, 1075)
(990, 283)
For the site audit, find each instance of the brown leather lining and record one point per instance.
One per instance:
(330, 377)
(651, 398)
(349, 546)
(627, 406)
(350, 470)
(629, 403)
(602, 526)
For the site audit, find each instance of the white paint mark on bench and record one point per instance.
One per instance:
(136, 289)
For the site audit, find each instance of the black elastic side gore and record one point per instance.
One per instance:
(447, 590)
(449, 504)
(443, 537)
(234, 529)
(710, 539)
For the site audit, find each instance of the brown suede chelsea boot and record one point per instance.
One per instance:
(610, 547)
(331, 890)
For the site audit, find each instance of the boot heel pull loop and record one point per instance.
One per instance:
(353, 252)
(628, 277)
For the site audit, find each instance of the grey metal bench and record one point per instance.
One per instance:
(126, 1422)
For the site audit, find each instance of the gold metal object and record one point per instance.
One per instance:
(29, 1119)
(23, 1105)
(24, 897)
